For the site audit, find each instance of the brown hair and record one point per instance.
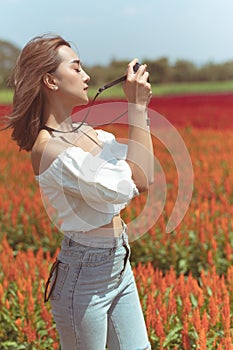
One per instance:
(38, 57)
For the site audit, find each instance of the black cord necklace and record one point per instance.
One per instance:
(45, 127)
(48, 128)
(101, 89)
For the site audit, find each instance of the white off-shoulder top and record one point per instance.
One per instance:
(87, 190)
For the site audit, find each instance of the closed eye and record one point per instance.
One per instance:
(77, 65)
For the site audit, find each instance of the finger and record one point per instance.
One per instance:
(131, 65)
(133, 62)
(143, 74)
(141, 70)
(146, 76)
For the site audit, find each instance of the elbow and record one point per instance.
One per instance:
(143, 186)
(142, 189)
(141, 178)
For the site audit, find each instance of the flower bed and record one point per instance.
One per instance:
(185, 278)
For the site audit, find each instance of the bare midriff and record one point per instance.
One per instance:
(113, 229)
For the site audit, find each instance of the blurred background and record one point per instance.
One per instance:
(184, 278)
(182, 42)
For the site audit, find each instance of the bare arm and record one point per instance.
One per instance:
(140, 148)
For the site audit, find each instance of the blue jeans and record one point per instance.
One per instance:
(94, 298)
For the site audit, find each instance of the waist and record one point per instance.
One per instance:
(87, 220)
(108, 236)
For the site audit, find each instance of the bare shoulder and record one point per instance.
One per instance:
(38, 150)
(45, 150)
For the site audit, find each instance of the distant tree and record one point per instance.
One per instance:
(116, 69)
(160, 70)
(207, 72)
(104, 74)
(216, 72)
(96, 74)
(227, 71)
(8, 57)
(184, 70)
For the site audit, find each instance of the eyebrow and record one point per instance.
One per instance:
(75, 61)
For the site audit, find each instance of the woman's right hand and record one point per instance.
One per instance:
(136, 87)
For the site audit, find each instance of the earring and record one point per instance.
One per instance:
(55, 88)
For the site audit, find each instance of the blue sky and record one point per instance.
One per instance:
(197, 30)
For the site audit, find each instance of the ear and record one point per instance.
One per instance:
(50, 81)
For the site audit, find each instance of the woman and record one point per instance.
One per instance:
(88, 177)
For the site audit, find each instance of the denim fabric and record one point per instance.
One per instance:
(98, 238)
(95, 301)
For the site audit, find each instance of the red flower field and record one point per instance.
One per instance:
(202, 111)
(185, 278)
(212, 111)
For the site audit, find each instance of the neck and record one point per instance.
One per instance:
(57, 116)
(64, 125)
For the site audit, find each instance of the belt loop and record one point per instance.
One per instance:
(113, 249)
(69, 239)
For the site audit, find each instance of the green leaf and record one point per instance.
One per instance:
(9, 343)
(209, 291)
(182, 265)
(179, 300)
(193, 300)
(43, 333)
(173, 335)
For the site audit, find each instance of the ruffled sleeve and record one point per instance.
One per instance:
(105, 177)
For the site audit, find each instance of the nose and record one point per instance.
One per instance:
(86, 77)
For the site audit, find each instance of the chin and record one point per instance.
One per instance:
(86, 101)
(82, 102)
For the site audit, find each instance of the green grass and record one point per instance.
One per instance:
(195, 87)
(173, 89)
(5, 96)
(158, 90)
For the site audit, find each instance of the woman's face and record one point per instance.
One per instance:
(71, 79)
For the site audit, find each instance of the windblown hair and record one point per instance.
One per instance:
(37, 58)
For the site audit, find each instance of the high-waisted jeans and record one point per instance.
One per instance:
(94, 298)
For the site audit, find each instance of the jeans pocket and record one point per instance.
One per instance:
(58, 279)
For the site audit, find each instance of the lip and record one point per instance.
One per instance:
(86, 88)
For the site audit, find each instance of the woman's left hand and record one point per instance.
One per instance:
(137, 89)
